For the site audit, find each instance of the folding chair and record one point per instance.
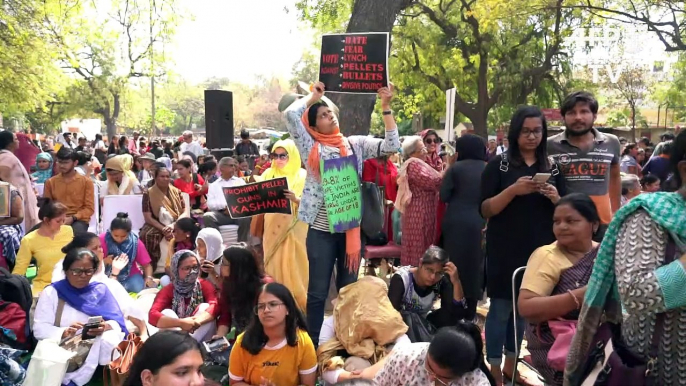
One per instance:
(516, 282)
(94, 223)
(131, 204)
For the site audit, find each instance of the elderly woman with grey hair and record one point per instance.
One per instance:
(418, 186)
(631, 187)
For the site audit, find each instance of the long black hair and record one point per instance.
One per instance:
(255, 339)
(242, 286)
(189, 225)
(80, 240)
(160, 350)
(516, 125)
(470, 146)
(459, 349)
(678, 154)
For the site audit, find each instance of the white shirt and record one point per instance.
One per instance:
(216, 201)
(194, 147)
(500, 149)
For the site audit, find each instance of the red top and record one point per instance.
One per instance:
(225, 306)
(388, 176)
(163, 301)
(189, 187)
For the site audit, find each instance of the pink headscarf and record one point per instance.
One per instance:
(26, 152)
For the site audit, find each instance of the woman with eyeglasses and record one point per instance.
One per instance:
(519, 190)
(453, 358)
(66, 306)
(417, 201)
(188, 303)
(275, 349)
(242, 279)
(283, 240)
(414, 290)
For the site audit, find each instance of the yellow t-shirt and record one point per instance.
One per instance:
(47, 253)
(281, 364)
(544, 268)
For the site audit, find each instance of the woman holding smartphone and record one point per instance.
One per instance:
(519, 190)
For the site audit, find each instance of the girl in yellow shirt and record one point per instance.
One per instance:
(275, 349)
(45, 245)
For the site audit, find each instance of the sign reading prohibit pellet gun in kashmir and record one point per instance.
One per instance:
(342, 195)
(354, 63)
(258, 198)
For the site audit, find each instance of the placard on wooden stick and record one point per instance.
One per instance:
(355, 63)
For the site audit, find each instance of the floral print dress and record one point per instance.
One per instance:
(406, 366)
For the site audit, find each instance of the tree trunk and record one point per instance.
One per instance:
(633, 123)
(367, 16)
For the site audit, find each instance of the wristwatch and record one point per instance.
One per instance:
(388, 112)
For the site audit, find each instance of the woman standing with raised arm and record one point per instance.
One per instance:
(314, 127)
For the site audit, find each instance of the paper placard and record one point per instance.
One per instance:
(354, 63)
(258, 198)
(342, 195)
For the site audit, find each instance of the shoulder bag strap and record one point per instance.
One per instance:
(58, 313)
(653, 354)
(504, 164)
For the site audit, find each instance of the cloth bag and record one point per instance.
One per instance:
(563, 331)
(48, 364)
(116, 372)
(372, 209)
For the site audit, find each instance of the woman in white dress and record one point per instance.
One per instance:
(132, 309)
(64, 308)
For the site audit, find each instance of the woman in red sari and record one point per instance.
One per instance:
(418, 185)
(384, 173)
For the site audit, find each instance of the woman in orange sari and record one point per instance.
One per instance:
(285, 253)
(14, 172)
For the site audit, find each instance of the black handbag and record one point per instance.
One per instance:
(373, 215)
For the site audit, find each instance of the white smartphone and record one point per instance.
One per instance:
(218, 344)
(541, 178)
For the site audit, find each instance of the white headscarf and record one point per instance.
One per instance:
(213, 243)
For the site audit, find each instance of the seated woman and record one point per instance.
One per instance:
(191, 183)
(168, 358)
(210, 250)
(413, 292)
(119, 241)
(243, 277)
(45, 245)
(275, 349)
(453, 358)
(128, 306)
(185, 235)
(556, 275)
(121, 180)
(364, 323)
(162, 206)
(65, 306)
(650, 183)
(188, 303)
(43, 168)
(10, 230)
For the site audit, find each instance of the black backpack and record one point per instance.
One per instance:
(16, 289)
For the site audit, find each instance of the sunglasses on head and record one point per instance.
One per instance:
(429, 141)
(279, 156)
(111, 171)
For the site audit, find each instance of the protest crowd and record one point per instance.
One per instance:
(346, 260)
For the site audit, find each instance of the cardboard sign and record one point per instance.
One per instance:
(342, 195)
(354, 63)
(258, 198)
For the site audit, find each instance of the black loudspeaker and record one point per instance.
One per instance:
(219, 119)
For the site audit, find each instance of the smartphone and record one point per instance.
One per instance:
(541, 178)
(93, 322)
(218, 344)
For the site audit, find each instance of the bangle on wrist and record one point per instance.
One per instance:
(576, 300)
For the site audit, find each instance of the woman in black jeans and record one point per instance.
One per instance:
(520, 219)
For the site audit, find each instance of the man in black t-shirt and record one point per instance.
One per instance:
(248, 149)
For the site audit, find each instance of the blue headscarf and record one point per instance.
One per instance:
(128, 247)
(42, 175)
(93, 300)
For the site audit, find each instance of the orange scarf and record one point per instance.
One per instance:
(336, 139)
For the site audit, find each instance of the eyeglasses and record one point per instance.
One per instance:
(262, 307)
(432, 374)
(82, 272)
(279, 156)
(437, 274)
(190, 268)
(430, 141)
(526, 133)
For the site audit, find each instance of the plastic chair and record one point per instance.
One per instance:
(93, 226)
(517, 279)
(187, 204)
(40, 188)
(131, 204)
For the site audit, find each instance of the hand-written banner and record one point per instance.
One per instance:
(258, 198)
(342, 195)
(354, 63)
